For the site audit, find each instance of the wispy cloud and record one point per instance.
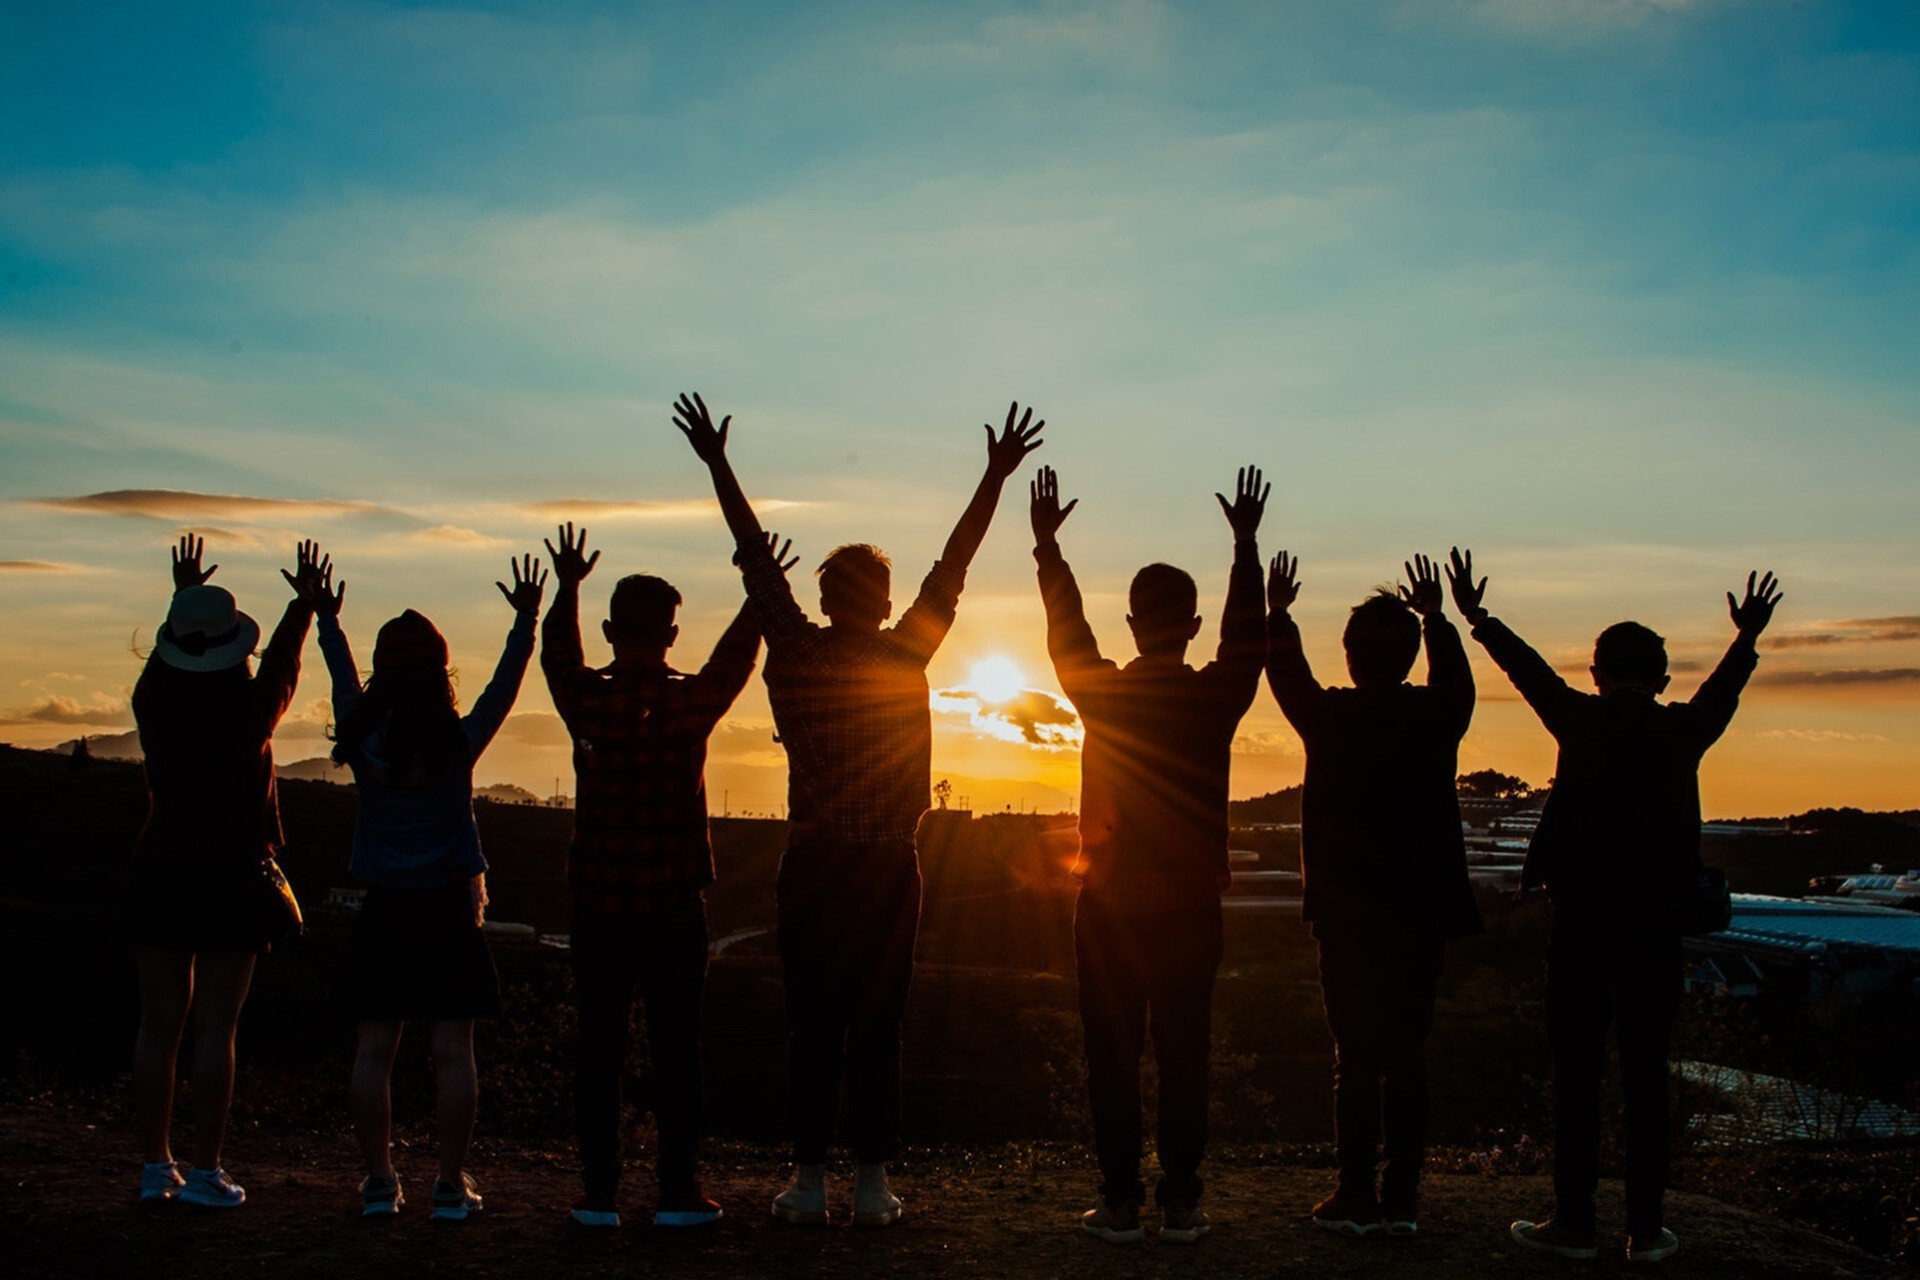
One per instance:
(1032, 716)
(1821, 735)
(184, 505)
(453, 535)
(672, 509)
(36, 566)
(1838, 678)
(1567, 19)
(1267, 742)
(100, 709)
(538, 728)
(1849, 631)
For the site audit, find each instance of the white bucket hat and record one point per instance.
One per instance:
(205, 631)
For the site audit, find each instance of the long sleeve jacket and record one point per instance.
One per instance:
(207, 741)
(1623, 822)
(639, 734)
(413, 832)
(1159, 744)
(1380, 839)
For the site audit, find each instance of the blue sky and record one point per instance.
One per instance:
(1622, 293)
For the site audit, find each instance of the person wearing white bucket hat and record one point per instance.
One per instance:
(198, 913)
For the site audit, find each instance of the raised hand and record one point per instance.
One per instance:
(1752, 614)
(1466, 596)
(696, 424)
(1424, 594)
(1248, 505)
(1283, 583)
(312, 580)
(782, 552)
(1015, 442)
(529, 584)
(570, 562)
(186, 562)
(1048, 515)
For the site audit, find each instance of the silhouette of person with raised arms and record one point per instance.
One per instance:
(851, 703)
(1616, 848)
(418, 952)
(200, 912)
(1153, 849)
(1383, 869)
(638, 865)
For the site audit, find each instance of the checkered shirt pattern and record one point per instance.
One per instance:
(853, 712)
(639, 758)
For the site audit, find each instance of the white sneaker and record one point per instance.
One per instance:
(211, 1189)
(804, 1203)
(874, 1204)
(159, 1182)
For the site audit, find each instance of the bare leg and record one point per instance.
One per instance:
(370, 1098)
(459, 1092)
(224, 977)
(166, 992)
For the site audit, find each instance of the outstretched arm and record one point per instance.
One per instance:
(491, 707)
(777, 613)
(1243, 629)
(1005, 453)
(1448, 674)
(1551, 697)
(925, 623)
(1288, 673)
(562, 657)
(1719, 694)
(1070, 641)
(709, 443)
(279, 671)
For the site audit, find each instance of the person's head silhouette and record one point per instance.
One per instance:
(409, 702)
(1164, 605)
(1382, 639)
(1630, 656)
(640, 617)
(856, 587)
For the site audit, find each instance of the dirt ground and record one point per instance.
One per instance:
(1002, 1212)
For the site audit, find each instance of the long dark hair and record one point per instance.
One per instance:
(420, 735)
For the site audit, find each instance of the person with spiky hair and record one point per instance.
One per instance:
(1618, 852)
(638, 866)
(1383, 869)
(1147, 932)
(851, 703)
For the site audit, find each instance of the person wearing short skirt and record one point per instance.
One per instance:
(418, 951)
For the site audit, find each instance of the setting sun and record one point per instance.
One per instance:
(996, 679)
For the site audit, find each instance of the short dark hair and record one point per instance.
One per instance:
(1629, 651)
(1161, 592)
(1382, 638)
(642, 606)
(858, 576)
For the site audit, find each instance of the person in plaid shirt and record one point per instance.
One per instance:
(638, 864)
(850, 700)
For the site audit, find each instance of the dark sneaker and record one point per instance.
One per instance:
(1399, 1218)
(1183, 1223)
(589, 1212)
(456, 1202)
(689, 1210)
(160, 1182)
(1348, 1214)
(380, 1198)
(1550, 1237)
(1114, 1223)
(1655, 1248)
(211, 1189)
